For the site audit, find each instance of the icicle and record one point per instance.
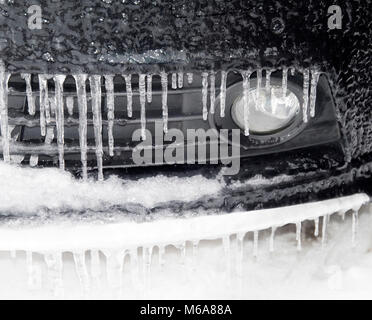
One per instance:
(174, 80)
(95, 88)
(343, 215)
(52, 106)
(240, 244)
(43, 88)
(134, 267)
(204, 94)
(255, 244)
(95, 267)
(82, 104)
(33, 277)
(273, 229)
(195, 247)
(128, 84)
(55, 268)
(114, 269)
(227, 251)
(298, 235)
(190, 77)
(110, 100)
(268, 82)
(213, 92)
(142, 92)
(316, 230)
(30, 98)
(223, 93)
(161, 256)
(305, 95)
(314, 83)
(284, 82)
(81, 270)
(182, 248)
(60, 118)
(147, 257)
(354, 227)
(258, 90)
(324, 230)
(149, 88)
(246, 87)
(164, 98)
(70, 105)
(180, 80)
(5, 136)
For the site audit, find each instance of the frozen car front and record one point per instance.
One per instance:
(99, 78)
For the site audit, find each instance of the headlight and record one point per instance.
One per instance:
(269, 111)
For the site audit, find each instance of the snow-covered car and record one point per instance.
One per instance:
(76, 85)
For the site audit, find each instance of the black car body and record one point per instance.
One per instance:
(329, 156)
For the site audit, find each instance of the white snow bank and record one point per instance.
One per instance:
(67, 237)
(28, 190)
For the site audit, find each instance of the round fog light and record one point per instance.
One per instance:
(269, 110)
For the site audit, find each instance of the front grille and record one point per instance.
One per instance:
(41, 133)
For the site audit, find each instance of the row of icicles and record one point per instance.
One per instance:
(310, 80)
(115, 258)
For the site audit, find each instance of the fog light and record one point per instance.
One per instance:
(270, 110)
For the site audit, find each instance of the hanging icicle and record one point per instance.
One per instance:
(96, 94)
(314, 83)
(60, 118)
(95, 267)
(240, 253)
(128, 84)
(305, 95)
(227, 250)
(246, 87)
(195, 247)
(268, 82)
(354, 227)
(223, 93)
(161, 256)
(174, 80)
(81, 270)
(142, 92)
(255, 243)
(55, 267)
(272, 236)
(284, 82)
(70, 105)
(205, 94)
(316, 229)
(30, 98)
(149, 88)
(180, 80)
(258, 90)
(43, 89)
(324, 230)
(83, 108)
(164, 99)
(298, 236)
(182, 248)
(213, 92)
(5, 136)
(190, 77)
(110, 101)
